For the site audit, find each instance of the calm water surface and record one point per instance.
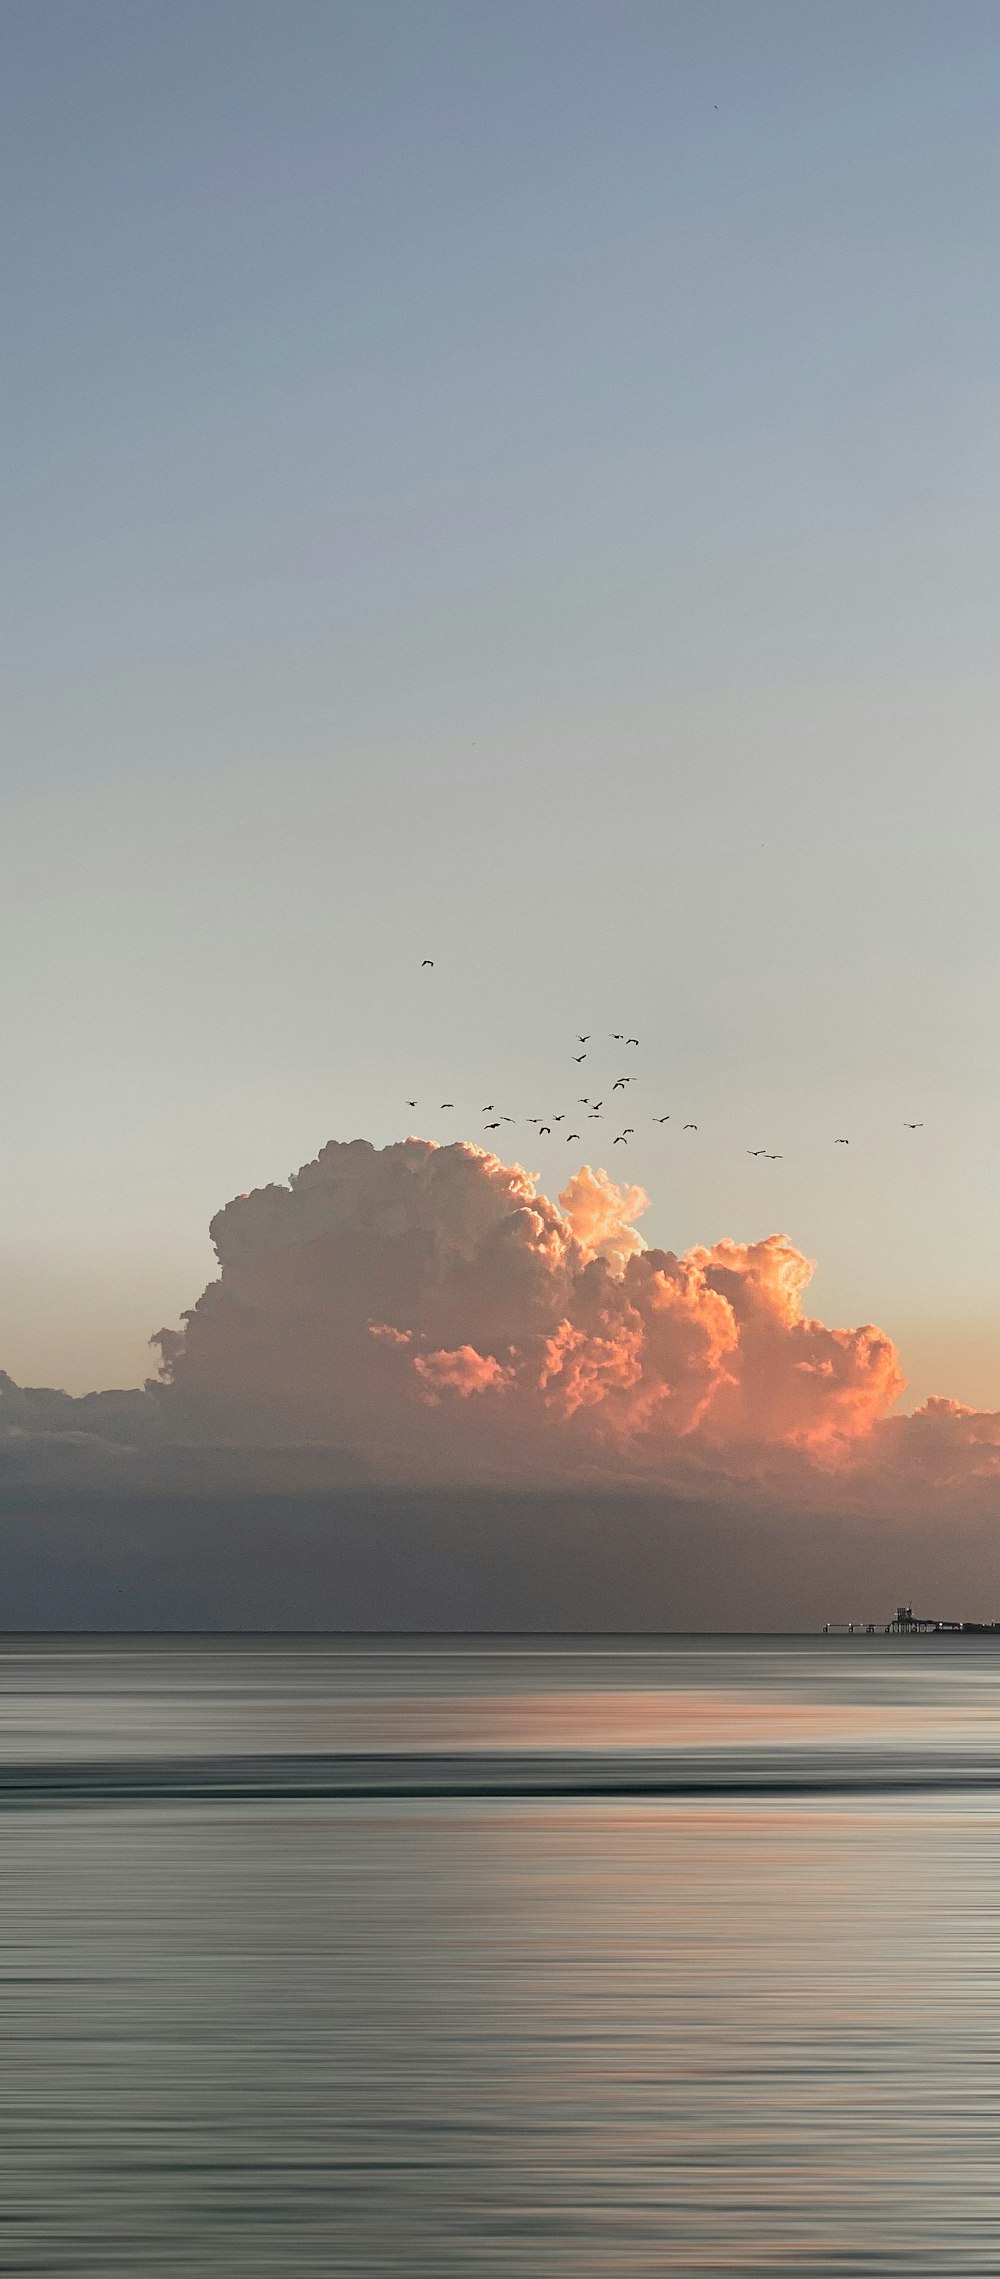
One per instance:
(560, 1958)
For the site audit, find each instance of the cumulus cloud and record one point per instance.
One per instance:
(430, 1310)
(422, 1314)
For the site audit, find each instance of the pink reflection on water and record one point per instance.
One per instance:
(654, 1718)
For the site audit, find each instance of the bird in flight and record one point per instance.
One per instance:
(631, 1040)
(841, 1143)
(491, 1127)
(620, 1083)
(628, 1128)
(411, 1103)
(426, 961)
(583, 1040)
(661, 1119)
(774, 1159)
(621, 1140)
(560, 1119)
(543, 1128)
(578, 1056)
(571, 1136)
(595, 1116)
(914, 1127)
(690, 1127)
(490, 1108)
(618, 1036)
(756, 1151)
(506, 1119)
(447, 1103)
(597, 1105)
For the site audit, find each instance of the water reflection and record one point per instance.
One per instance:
(500, 2036)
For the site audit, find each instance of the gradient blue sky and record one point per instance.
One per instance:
(518, 485)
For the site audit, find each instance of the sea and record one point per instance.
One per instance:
(549, 1957)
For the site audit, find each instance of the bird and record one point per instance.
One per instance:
(774, 1159)
(620, 1083)
(578, 1056)
(595, 1116)
(542, 1128)
(561, 1118)
(629, 1128)
(582, 1100)
(661, 1119)
(631, 1040)
(447, 1103)
(490, 1108)
(583, 1040)
(534, 1119)
(914, 1127)
(690, 1127)
(618, 1036)
(841, 1143)
(506, 1119)
(571, 1136)
(426, 961)
(621, 1140)
(411, 1103)
(597, 1105)
(491, 1127)
(756, 1151)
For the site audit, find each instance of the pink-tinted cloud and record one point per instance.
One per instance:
(463, 1372)
(428, 1308)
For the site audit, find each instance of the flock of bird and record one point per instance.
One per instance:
(546, 1126)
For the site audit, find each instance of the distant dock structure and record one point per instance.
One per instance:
(905, 1624)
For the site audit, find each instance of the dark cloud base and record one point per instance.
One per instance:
(367, 1559)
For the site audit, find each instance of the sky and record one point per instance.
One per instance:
(517, 486)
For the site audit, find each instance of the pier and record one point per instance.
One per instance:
(905, 1624)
